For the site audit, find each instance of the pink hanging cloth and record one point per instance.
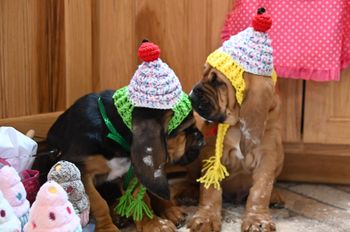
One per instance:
(311, 39)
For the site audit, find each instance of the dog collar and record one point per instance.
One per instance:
(232, 71)
(125, 107)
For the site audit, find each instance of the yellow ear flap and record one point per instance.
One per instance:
(233, 71)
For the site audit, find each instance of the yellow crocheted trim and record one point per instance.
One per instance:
(214, 170)
(274, 77)
(232, 71)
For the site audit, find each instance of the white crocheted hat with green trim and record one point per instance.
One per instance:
(154, 85)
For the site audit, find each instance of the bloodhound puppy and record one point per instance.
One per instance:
(80, 135)
(253, 152)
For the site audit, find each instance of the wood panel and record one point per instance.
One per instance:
(23, 58)
(217, 13)
(56, 54)
(291, 94)
(78, 48)
(40, 123)
(327, 111)
(316, 163)
(178, 32)
(114, 55)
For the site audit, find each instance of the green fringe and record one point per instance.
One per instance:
(138, 207)
(126, 199)
(133, 206)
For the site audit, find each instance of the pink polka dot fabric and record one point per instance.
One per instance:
(311, 39)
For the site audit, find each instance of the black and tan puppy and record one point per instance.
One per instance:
(80, 134)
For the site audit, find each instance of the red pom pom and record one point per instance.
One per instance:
(148, 52)
(262, 22)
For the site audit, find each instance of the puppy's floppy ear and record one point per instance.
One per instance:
(148, 150)
(255, 107)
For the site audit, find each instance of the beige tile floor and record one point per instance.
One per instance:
(309, 208)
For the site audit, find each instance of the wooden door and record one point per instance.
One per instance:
(327, 111)
(323, 153)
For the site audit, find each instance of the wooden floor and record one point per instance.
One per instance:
(309, 208)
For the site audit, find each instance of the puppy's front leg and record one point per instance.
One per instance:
(99, 208)
(208, 215)
(257, 216)
(96, 165)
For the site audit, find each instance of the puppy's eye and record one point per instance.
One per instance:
(215, 82)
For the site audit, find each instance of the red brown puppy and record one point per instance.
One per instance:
(238, 92)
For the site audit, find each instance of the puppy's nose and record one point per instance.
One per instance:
(197, 92)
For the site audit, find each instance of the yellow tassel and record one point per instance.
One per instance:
(214, 170)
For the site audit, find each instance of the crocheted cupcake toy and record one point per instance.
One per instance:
(52, 212)
(248, 51)
(8, 220)
(14, 192)
(68, 176)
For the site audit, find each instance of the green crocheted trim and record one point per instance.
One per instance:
(125, 108)
(123, 105)
(181, 111)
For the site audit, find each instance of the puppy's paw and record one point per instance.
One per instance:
(175, 214)
(205, 220)
(254, 222)
(156, 224)
(276, 200)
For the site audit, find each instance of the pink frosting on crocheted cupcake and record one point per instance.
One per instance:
(8, 220)
(52, 212)
(13, 190)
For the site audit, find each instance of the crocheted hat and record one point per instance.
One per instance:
(154, 85)
(68, 176)
(248, 51)
(52, 212)
(8, 220)
(14, 192)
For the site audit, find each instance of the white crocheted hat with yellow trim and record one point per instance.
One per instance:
(248, 51)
